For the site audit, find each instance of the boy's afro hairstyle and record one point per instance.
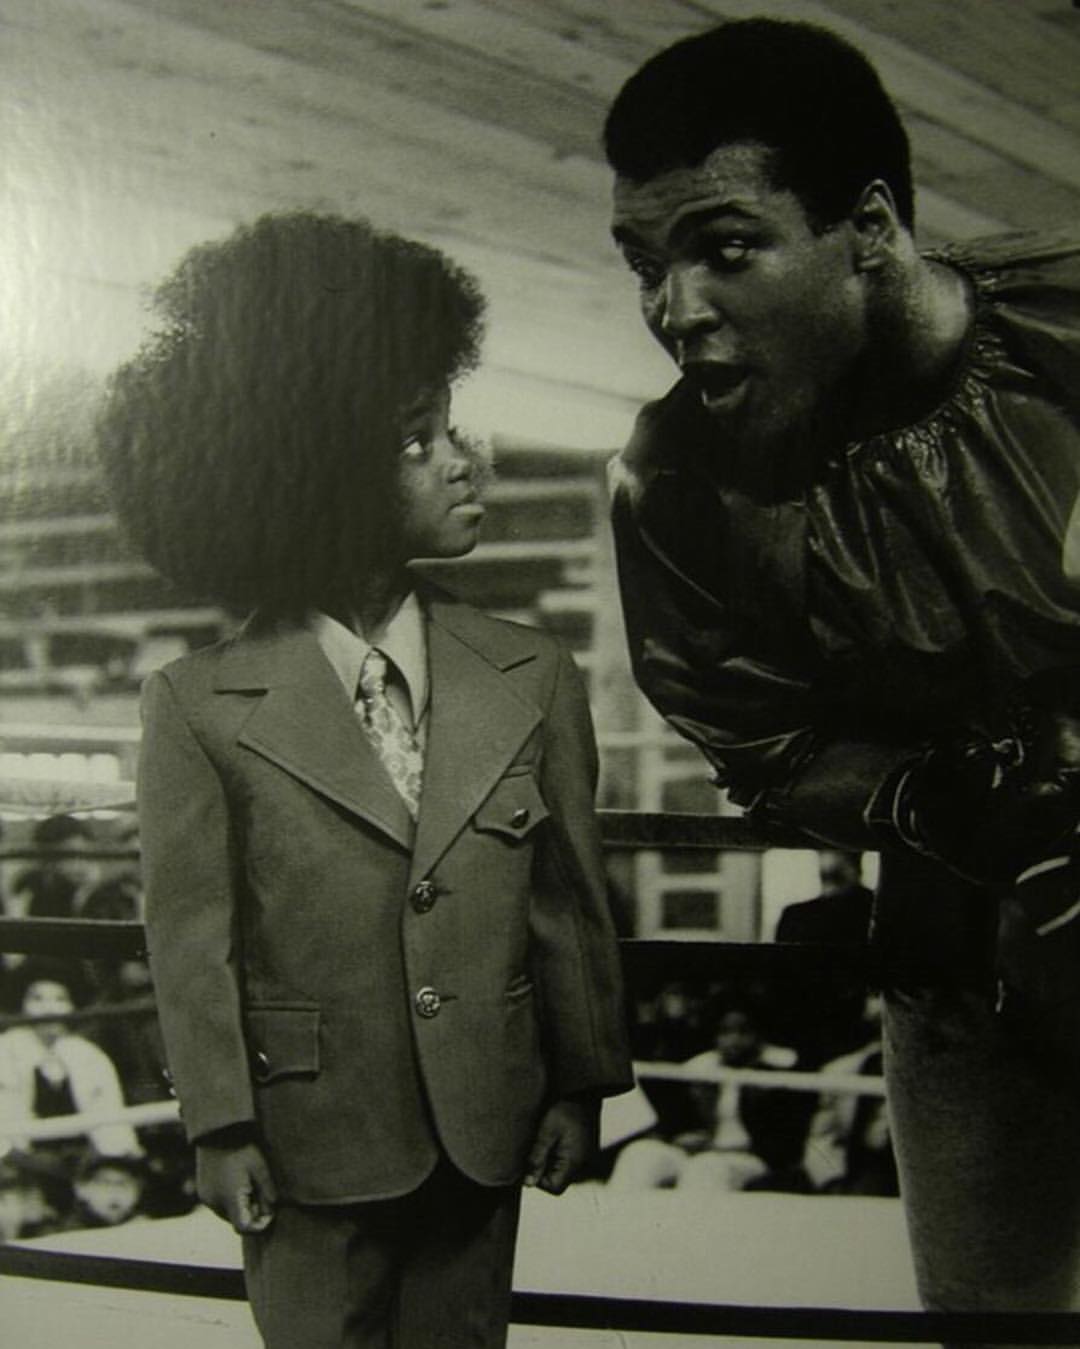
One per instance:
(250, 445)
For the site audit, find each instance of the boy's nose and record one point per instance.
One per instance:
(458, 462)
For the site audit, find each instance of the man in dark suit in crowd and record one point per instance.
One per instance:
(840, 914)
(824, 1018)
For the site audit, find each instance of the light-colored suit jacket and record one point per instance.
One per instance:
(366, 991)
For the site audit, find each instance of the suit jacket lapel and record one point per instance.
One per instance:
(306, 725)
(477, 724)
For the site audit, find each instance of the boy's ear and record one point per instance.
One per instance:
(876, 227)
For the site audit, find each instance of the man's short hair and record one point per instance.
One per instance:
(799, 90)
(251, 445)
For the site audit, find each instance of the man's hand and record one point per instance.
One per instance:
(235, 1181)
(991, 804)
(566, 1138)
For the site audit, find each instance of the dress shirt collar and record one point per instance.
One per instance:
(404, 640)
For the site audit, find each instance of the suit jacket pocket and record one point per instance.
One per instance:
(513, 809)
(283, 1041)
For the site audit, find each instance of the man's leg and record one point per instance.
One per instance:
(987, 1135)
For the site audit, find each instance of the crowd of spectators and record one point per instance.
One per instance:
(82, 1037)
(731, 1134)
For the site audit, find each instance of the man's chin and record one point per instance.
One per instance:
(769, 459)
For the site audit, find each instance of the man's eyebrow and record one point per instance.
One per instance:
(625, 236)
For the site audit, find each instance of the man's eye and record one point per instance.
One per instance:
(648, 270)
(732, 252)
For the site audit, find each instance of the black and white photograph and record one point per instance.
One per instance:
(539, 673)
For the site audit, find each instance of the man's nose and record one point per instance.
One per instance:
(688, 306)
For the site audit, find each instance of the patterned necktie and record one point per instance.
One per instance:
(394, 742)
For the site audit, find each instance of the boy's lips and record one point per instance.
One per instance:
(469, 505)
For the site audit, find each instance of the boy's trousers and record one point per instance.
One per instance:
(429, 1270)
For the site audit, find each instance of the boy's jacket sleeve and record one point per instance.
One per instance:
(188, 860)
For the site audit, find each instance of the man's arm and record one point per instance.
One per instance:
(753, 720)
(985, 800)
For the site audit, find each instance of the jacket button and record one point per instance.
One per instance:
(424, 896)
(427, 1003)
(520, 818)
(261, 1065)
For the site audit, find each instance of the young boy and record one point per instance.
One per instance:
(385, 968)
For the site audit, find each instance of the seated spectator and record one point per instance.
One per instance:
(667, 1027)
(132, 1041)
(118, 899)
(46, 1069)
(848, 1147)
(747, 1136)
(824, 1019)
(59, 883)
(108, 1191)
(35, 1196)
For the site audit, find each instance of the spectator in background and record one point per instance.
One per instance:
(746, 1135)
(840, 915)
(46, 1069)
(823, 1018)
(59, 883)
(667, 1027)
(35, 1196)
(849, 1148)
(108, 1191)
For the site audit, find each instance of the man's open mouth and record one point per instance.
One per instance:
(719, 386)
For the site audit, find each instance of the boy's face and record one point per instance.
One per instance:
(440, 505)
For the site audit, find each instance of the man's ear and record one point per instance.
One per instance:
(876, 228)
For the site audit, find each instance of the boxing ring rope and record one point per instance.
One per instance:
(622, 830)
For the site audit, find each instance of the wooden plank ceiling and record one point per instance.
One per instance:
(133, 128)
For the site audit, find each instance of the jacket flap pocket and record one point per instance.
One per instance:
(283, 1042)
(514, 808)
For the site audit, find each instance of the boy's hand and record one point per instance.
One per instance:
(235, 1181)
(566, 1138)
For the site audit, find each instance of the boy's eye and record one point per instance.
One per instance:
(648, 270)
(418, 440)
(416, 447)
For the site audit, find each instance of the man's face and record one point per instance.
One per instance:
(440, 504)
(838, 873)
(764, 316)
